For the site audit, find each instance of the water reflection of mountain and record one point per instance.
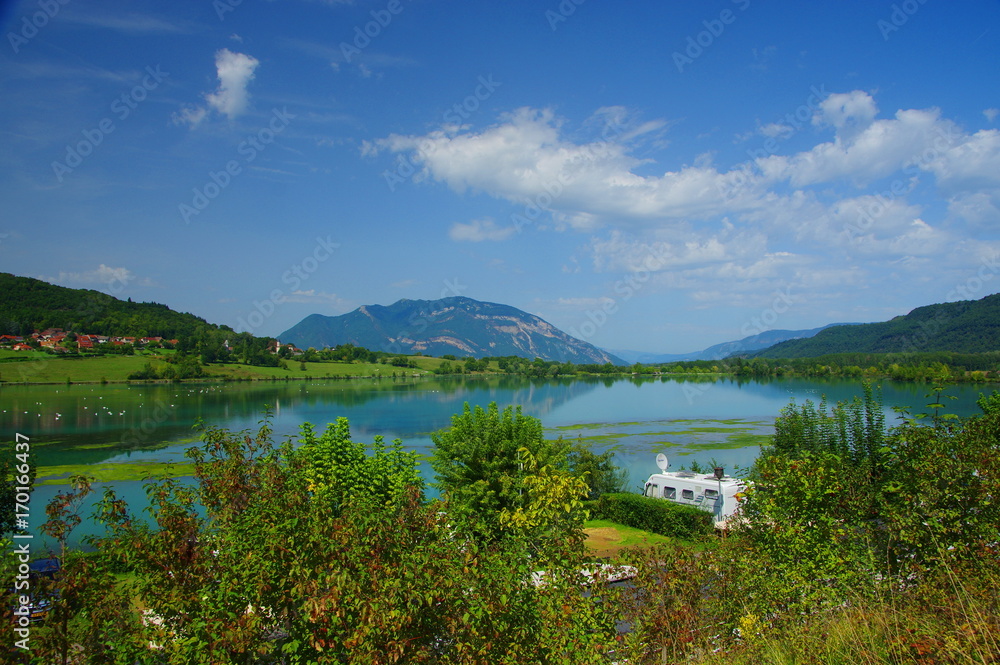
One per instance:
(420, 408)
(80, 425)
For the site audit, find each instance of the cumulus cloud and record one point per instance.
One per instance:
(479, 230)
(871, 191)
(849, 113)
(235, 72)
(525, 159)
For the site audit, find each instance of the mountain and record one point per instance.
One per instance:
(967, 326)
(28, 304)
(459, 326)
(725, 349)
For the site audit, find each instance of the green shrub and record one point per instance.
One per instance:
(655, 515)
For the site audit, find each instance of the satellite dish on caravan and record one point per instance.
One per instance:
(661, 461)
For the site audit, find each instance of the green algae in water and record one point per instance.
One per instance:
(112, 472)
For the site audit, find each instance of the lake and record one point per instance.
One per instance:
(115, 430)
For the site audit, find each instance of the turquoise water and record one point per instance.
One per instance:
(689, 420)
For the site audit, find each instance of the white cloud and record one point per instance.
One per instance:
(841, 210)
(879, 150)
(525, 159)
(777, 130)
(581, 303)
(312, 297)
(102, 276)
(127, 23)
(991, 114)
(235, 72)
(190, 115)
(849, 113)
(479, 230)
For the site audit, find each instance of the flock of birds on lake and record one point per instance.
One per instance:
(103, 410)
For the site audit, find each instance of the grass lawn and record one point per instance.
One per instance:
(606, 538)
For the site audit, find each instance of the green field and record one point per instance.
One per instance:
(41, 367)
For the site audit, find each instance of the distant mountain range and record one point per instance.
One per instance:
(968, 326)
(458, 326)
(757, 342)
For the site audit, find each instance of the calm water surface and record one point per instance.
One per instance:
(722, 420)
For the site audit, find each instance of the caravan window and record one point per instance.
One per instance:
(687, 494)
(669, 493)
(651, 489)
(711, 494)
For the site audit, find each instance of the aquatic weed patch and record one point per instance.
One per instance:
(112, 472)
(684, 436)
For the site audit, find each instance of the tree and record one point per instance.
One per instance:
(269, 557)
(839, 507)
(343, 472)
(600, 472)
(478, 464)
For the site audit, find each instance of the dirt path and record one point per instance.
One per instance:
(603, 541)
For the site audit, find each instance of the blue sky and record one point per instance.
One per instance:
(646, 175)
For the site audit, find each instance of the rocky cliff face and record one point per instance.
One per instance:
(459, 326)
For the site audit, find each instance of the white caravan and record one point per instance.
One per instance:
(715, 493)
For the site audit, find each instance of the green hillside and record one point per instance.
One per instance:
(968, 326)
(28, 304)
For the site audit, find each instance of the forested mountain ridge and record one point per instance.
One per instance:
(457, 325)
(967, 326)
(28, 304)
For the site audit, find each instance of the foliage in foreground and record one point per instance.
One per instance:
(849, 552)
(283, 555)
